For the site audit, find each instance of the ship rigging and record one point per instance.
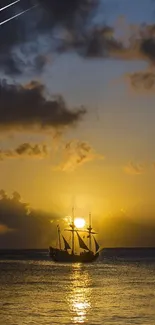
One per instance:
(67, 253)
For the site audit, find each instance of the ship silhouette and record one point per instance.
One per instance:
(67, 254)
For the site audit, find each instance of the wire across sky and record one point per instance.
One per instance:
(17, 15)
(9, 5)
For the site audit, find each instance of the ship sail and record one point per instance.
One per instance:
(82, 243)
(96, 245)
(68, 253)
(66, 244)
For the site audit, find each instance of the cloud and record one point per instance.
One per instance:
(30, 150)
(134, 169)
(70, 155)
(28, 107)
(69, 13)
(136, 43)
(11, 64)
(24, 227)
(19, 37)
(99, 42)
(12, 35)
(137, 40)
(25, 150)
(76, 153)
(148, 47)
(40, 62)
(61, 26)
(142, 81)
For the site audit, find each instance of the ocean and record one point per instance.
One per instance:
(35, 291)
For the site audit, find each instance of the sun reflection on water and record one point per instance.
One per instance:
(79, 298)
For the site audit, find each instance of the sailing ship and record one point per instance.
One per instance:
(67, 253)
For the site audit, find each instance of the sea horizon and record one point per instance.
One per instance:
(112, 253)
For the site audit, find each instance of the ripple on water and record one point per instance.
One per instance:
(41, 292)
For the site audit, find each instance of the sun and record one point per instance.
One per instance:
(79, 222)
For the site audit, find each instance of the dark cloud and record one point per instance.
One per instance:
(39, 62)
(24, 227)
(70, 14)
(27, 107)
(11, 65)
(77, 31)
(137, 41)
(65, 26)
(31, 150)
(25, 150)
(12, 35)
(97, 42)
(136, 44)
(145, 42)
(148, 48)
(60, 26)
(17, 35)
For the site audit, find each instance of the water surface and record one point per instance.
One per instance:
(37, 291)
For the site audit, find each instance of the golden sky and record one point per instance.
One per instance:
(94, 144)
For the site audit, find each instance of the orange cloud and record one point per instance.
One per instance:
(134, 168)
(75, 154)
(25, 150)
(143, 81)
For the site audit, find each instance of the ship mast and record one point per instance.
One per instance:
(59, 236)
(89, 231)
(73, 229)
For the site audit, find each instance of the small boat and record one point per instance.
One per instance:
(68, 254)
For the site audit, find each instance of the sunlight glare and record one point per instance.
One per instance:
(79, 222)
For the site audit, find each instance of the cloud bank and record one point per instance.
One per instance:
(23, 227)
(62, 26)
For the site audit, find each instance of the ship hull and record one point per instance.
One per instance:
(63, 256)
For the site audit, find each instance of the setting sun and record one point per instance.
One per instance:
(79, 222)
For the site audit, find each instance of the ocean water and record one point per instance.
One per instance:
(36, 291)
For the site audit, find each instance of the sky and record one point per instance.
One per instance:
(77, 110)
